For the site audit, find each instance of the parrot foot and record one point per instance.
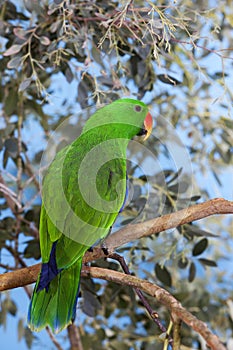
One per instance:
(105, 250)
(103, 244)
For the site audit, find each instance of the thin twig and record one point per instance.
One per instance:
(162, 296)
(31, 173)
(74, 336)
(8, 267)
(54, 340)
(153, 314)
(9, 195)
(16, 256)
(176, 332)
(19, 173)
(12, 202)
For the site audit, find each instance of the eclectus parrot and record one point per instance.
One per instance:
(83, 191)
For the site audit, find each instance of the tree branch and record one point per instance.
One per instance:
(54, 340)
(162, 296)
(196, 212)
(74, 336)
(19, 278)
(130, 233)
(22, 277)
(153, 314)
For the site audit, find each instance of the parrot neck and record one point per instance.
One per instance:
(117, 131)
(105, 143)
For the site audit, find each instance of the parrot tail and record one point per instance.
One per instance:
(55, 304)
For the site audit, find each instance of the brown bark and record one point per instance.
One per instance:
(165, 222)
(22, 277)
(25, 276)
(163, 297)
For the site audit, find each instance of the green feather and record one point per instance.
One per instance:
(82, 193)
(53, 308)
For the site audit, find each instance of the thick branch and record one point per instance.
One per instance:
(130, 233)
(162, 297)
(19, 278)
(29, 275)
(196, 212)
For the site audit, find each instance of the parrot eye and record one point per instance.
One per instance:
(137, 108)
(142, 132)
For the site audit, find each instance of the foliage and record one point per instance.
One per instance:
(58, 57)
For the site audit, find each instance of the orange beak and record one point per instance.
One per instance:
(148, 124)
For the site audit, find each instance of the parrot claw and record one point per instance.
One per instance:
(105, 250)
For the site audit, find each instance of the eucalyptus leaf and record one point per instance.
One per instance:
(192, 272)
(168, 79)
(200, 247)
(163, 275)
(13, 50)
(207, 262)
(25, 84)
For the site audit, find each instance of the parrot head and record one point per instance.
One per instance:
(124, 118)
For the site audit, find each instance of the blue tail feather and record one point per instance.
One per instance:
(49, 270)
(54, 304)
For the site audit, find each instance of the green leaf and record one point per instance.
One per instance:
(106, 80)
(168, 79)
(28, 337)
(11, 102)
(20, 33)
(163, 275)
(192, 272)
(218, 75)
(11, 146)
(5, 158)
(85, 86)
(15, 62)
(195, 198)
(200, 247)
(174, 175)
(10, 306)
(32, 250)
(13, 50)
(69, 74)
(207, 262)
(180, 187)
(3, 314)
(21, 329)
(228, 122)
(196, 231)
(96, 54)
(24, 84)
(224, 154)
(91, 304)
(217, 178)
(45, 40)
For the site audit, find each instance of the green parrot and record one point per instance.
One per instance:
(83, 191)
